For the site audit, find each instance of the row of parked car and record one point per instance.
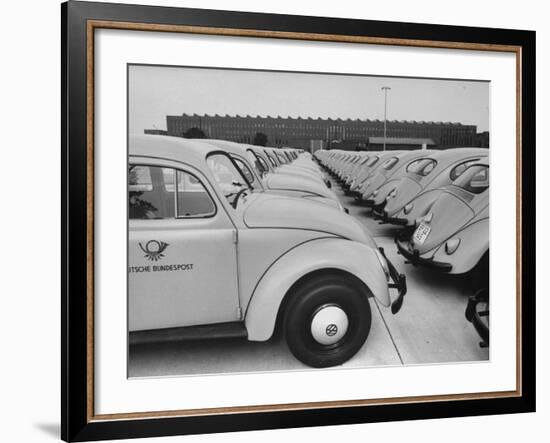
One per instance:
(440, 198)
(234, 240)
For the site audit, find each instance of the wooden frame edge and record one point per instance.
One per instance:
(91, 25)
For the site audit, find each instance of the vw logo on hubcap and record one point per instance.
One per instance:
(329, 324)
(331, 330)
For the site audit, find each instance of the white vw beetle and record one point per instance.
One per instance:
(454, 234)
(209, 256)
(281, 183)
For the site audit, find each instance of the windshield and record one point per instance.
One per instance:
(281, 158)
(260, 165)
(245, 170)
(272, 159)
(475, 179)
(230, 180)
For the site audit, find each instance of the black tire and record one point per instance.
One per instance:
(330, 290)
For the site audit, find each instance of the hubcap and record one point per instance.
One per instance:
(329, 324)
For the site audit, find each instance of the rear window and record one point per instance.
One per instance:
(372, 160)
(475, 179)
(459, 169)
(422, 166)
(389, 163)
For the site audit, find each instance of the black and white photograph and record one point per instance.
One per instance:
(276, 221)
(301, 221)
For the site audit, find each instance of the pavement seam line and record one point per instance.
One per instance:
(389, 332)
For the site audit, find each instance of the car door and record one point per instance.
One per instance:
(181, 251)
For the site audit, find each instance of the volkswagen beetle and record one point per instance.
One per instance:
(391, 169)
(438, 169)
(212, 256)
(283, 184)
(277, 166)
(454, 235)
(375, 159)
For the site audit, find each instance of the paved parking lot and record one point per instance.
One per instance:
(430, 328)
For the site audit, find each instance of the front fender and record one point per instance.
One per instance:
(335, 253)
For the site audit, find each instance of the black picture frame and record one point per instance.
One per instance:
(76, 422)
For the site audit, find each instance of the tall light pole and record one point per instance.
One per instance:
(385, 89)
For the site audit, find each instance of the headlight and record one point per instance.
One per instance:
(375, 193)
(383, 263)
(408, 208)
(452, 245)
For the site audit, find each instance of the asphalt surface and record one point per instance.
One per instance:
(430, 328)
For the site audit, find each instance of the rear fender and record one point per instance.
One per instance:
(474, 243)
(355, 258)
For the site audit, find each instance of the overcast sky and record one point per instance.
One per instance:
(155, 92)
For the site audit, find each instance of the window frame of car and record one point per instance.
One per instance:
(225, 154)
(376, 158)
(257, 183)
(395, 160)
(142, 162)
(432, 161)
(281, 158)
(469, 162)
(463, 176)
(261, 159)
(274, 163)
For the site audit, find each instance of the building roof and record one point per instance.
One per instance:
(328, 119)
(401, 141)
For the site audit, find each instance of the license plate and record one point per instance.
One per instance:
(421, 233)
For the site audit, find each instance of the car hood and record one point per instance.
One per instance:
(291, 182)
(280, 212)
(448, 214)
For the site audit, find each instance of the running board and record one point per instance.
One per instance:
(189, 333)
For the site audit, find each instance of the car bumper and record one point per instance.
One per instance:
(415, 258)
(474, 317)
(397, 281)
(380, 214)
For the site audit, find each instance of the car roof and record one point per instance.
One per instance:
(232, 147)
(179, 149)
(482, 162)
(457, 153)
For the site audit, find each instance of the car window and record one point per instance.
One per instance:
(281, 158)
(475, 179)
(372, 160)
(151, 194)
(389, 163)
(422, 166)
(246, 171)
(193, 198)
(228, 176)
(257, 163)
(459, 169)
(148, 197)
(272, 160)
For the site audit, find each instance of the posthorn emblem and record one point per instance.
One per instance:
(154, 249)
